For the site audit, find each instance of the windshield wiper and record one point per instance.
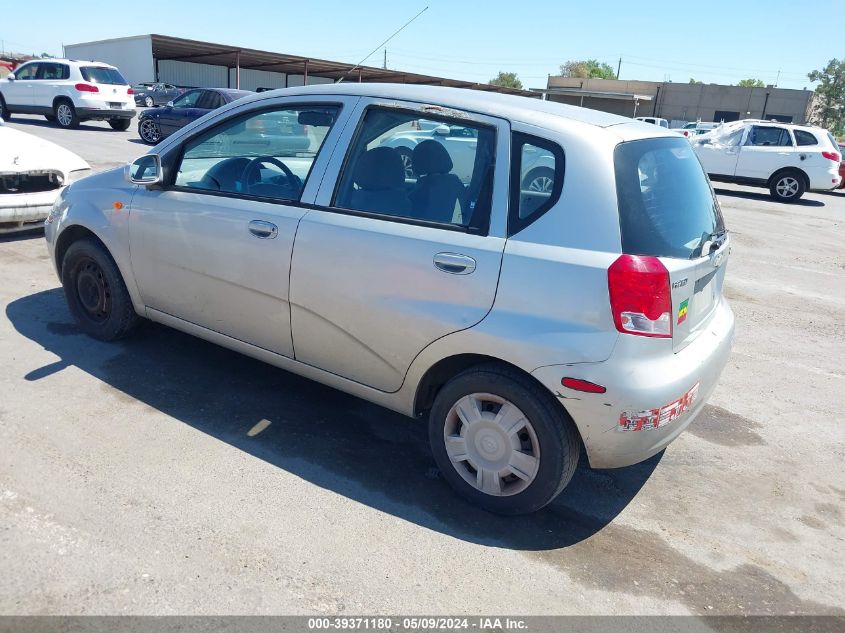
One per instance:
(709, 240)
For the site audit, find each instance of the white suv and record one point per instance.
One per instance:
(68, 91)
(788, 159)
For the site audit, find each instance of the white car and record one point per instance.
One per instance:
(67, 92)
(665, 124)
(787, 159)
(32, 174)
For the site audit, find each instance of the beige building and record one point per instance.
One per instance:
(681, 102)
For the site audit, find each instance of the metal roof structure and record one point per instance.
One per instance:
(185, 50)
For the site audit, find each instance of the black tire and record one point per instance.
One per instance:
(120, 124)
(4, 111)
(95, 292)
(543, 175)
(555, 433)
(51, 118)
(149, 131)
(149, 102)
(65, 114)
(787, 186)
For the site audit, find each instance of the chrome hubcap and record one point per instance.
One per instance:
(542, 184)
(149, 102)
(407, 164)
(787, 187)
(149, 131)
(491, 444)
(64, 114)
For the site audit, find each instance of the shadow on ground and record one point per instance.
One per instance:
(41, 122)
(765, 197)
(25, 234)
(333, 440)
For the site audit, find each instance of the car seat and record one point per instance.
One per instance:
(438, 192)
(380, 178)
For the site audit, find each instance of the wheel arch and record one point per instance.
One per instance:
(441, 372)
(784, 170)
(62, 97)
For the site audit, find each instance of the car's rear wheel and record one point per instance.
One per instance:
(501, 441)
(65, 115)
(149, 131)
(149, 102)
(120, 124)
(787, 186)
(539, 180)
(95, 292)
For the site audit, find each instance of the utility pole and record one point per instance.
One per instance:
(618, 67)
(778, 79)
(385, 59)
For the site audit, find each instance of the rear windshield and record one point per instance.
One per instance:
(666, 205)
(102, 75)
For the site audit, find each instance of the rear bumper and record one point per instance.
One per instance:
(104, 113)
(643, 377)
(826, 181)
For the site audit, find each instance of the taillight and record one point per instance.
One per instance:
(640, 296)
(130, 92)
(831, 156)
(86, 88)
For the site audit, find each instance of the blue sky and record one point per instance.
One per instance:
(716, 41)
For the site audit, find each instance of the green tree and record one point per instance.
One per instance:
(695, 81)
(829, 102)
(587, 69)
(751, 83)
(506, 80)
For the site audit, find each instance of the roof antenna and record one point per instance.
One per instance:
(402, 28)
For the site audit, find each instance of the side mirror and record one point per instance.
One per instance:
(145, 170)
(169, 104)
(442, 130)
(10, 77)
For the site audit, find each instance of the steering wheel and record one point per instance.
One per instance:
(251, 170)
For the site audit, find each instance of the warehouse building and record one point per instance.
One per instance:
(190, 63)
(681, 103)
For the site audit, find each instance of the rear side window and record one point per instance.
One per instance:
(102, 75)
(666, 205)
(805, 138)
(537, 167)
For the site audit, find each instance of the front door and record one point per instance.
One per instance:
(392, 261)
(720, 153)
(19, 91)
(183, 111)
(213, 247)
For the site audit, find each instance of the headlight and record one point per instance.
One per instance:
(78, 174)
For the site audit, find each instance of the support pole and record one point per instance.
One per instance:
(305, 75)
(238, 70)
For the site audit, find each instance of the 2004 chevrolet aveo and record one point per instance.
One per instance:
(562, 287)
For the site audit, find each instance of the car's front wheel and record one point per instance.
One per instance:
(149, 102)
(4, 111)
(66, 115)
(120, 124)
(501, 441)
(149, 131)
(95, 292)
(787, 186)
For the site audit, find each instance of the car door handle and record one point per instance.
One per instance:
(454, 263)
(264, 230)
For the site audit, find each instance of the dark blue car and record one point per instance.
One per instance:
(156, 123)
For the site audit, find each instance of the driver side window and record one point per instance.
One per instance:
(266, 154)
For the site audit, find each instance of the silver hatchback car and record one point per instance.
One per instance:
(523, 323)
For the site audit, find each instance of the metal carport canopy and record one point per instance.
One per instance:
(185, 50)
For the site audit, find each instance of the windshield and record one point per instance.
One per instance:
(666, 205)
(102, 75)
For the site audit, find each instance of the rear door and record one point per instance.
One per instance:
(385, 264)
(668, 210)
(767, 148)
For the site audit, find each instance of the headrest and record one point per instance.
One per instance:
(380, 168)
(430, 157)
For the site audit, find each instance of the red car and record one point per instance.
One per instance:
(842, 165)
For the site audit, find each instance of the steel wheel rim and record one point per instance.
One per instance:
(93, 291)
(64, 114)
(148, 101)
(787, 187)
(491, 444)
(149, 131)
(541, 184)
(407, 163)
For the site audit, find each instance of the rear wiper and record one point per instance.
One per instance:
(709, 240)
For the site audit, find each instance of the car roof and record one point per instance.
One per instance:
(516, 108)
(61, 60)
